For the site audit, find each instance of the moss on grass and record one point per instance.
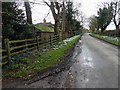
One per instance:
(44, 28)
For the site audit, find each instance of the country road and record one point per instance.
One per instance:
(94, 65)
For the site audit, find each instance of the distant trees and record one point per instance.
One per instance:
(18, 26)
(63, 14)
(93, 25)
(105, 16)
(72, 24)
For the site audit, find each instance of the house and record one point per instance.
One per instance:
(45, 29)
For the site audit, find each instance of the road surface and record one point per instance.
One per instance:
(94, 65)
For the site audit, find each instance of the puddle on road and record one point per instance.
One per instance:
(80, 41)
(86, 80)
(86, 58)
(87, 61)
(88, 64)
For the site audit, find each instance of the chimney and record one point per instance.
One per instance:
(44, 21)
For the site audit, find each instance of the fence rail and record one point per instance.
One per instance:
(16, 47)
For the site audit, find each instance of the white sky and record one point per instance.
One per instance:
(88, 7)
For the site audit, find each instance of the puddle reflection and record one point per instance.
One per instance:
(88, 64)
(87, 80)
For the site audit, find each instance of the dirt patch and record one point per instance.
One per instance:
(69, 80)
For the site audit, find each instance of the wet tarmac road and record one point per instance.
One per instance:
(96, 66)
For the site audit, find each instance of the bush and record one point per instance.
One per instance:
(25, 61)
(27, 32)
(112, 33)
(16, 66)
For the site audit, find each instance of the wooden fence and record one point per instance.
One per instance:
(16, 47)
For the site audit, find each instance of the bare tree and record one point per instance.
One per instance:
(55, 9)
(63, 18)
(116, 12)
(81, 17)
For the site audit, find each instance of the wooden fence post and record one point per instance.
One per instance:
(45, 43)
(62, 37)
(56, 40)
(53, 41)
(26, 47)
(7, 47)
(50, 41)
(38, 43)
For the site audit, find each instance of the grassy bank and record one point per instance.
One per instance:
(111, 40)
(27, 67)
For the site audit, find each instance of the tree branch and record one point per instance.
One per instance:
(46, 3)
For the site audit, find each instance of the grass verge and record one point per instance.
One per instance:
(111, 40)
(27, 68)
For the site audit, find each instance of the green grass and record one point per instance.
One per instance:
(44, 28)
(52, 57)
(112, 41)
(45, 60)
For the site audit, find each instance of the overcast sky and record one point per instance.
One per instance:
(88, 7)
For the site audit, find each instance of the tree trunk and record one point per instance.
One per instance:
(28, 12)
(102, 29)
(117, 27)
(56, 26)
(54, 6)
(63, 18)
(117, 30)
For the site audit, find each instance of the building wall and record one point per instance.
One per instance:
(45, 34)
